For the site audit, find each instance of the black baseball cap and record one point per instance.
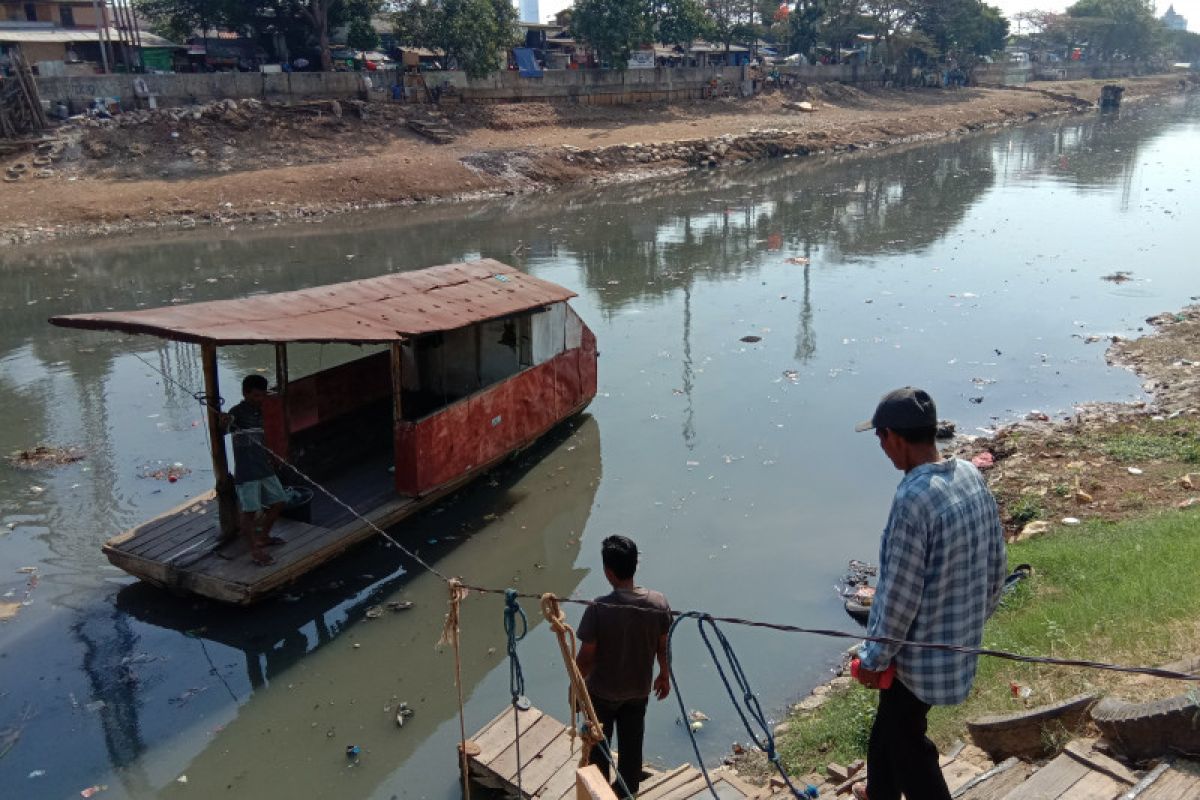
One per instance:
(902, 409)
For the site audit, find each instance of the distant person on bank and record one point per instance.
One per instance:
(258, 488)
(621, 639)
(942, 564)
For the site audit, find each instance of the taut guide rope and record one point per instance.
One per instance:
(578, 697)
(513, 611)
(451, 634)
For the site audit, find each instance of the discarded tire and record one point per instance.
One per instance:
(1024, 734)
(1147, 730)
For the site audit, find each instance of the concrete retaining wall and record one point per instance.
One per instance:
(185, 89)
(587, 87)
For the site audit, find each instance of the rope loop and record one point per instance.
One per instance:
(513, 612)
(748, 709)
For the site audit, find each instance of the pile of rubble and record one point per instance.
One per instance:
(710, 152)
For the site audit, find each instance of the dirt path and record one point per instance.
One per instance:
(249, 163)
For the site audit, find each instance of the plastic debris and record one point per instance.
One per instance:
(696, 726)
(46, 456)
(984, 460)
(1135, 471)
(800, 260)
(353, 751)
(91, 791)
(1070, 521)
(400, 605)
(751, 339)
(181, 779)
(403, 712)
(374, 612)
(37, 773)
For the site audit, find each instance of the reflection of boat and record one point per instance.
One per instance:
(473, 362)
(297, 652)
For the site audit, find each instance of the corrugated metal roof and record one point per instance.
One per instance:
(68, 35)
(373, 310)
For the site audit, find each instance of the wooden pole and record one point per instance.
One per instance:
(397, 404)
(226, 495)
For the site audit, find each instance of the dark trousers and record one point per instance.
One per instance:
(628, 719)
(900, 757)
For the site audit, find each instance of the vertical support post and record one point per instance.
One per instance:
(281, 368)
(397, 406)
(226, 496)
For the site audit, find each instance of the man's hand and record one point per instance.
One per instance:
(662, 686)
(869, 678)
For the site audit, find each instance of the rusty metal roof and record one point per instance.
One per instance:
(372, 310)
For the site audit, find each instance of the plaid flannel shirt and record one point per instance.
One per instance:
(942, 565)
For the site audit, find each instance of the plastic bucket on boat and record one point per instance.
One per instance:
(299, 504)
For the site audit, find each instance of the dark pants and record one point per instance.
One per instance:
(900, 757)
(629, 720)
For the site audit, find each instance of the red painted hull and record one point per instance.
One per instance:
(482, 428)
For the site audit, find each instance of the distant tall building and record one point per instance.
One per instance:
(1173, 21)
(529, 11)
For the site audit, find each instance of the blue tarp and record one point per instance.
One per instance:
(527, 63)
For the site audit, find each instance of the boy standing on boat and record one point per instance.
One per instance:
(942, 564)
(621, 639)
(258, 487)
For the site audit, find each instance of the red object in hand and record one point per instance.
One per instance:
(885, 680)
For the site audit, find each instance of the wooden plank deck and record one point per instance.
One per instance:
(178, 549)
(549, 758)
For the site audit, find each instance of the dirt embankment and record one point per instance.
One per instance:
(1108, 461)
(244, 161)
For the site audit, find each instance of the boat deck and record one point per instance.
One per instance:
(178, 550)
(550, 756)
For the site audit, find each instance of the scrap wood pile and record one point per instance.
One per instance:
(21, 111)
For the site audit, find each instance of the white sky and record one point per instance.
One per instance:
(1188, 8)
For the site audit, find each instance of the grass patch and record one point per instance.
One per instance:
(1025, 508)
(838, 731)
(1102, 592)
(1169, 440)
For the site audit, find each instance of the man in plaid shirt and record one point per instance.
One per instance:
(942, 565)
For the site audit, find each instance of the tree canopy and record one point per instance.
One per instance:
(474, 34)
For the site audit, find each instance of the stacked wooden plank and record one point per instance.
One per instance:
(21, 110)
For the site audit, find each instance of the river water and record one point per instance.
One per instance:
(973, 268)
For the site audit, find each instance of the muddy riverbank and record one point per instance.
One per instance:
(234, 164)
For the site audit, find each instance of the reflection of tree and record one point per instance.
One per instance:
(1089, 154)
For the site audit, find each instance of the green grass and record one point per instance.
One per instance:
(1168, 440)
(1102, 592)
(1025, 508)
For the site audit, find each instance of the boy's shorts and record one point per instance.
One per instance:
(254, 496)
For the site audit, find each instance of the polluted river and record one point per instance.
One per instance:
(747, 318)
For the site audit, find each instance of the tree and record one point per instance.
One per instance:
(316, 13)
(680, 22)
(613, 28)
(731, 21)
(965, 29)
(360, 33)
(475, 34)
(804, 25)
(1120, 27)
(180, 19)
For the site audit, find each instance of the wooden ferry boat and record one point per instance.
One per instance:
(472, 362)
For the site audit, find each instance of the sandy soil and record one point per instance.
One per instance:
(244, 164)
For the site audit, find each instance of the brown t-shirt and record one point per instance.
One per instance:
(626, 642)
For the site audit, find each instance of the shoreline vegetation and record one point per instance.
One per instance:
(1117, 586)
(245, 163)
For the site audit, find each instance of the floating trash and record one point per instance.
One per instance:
(403, 712)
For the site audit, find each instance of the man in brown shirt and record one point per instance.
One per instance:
(621, 639)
